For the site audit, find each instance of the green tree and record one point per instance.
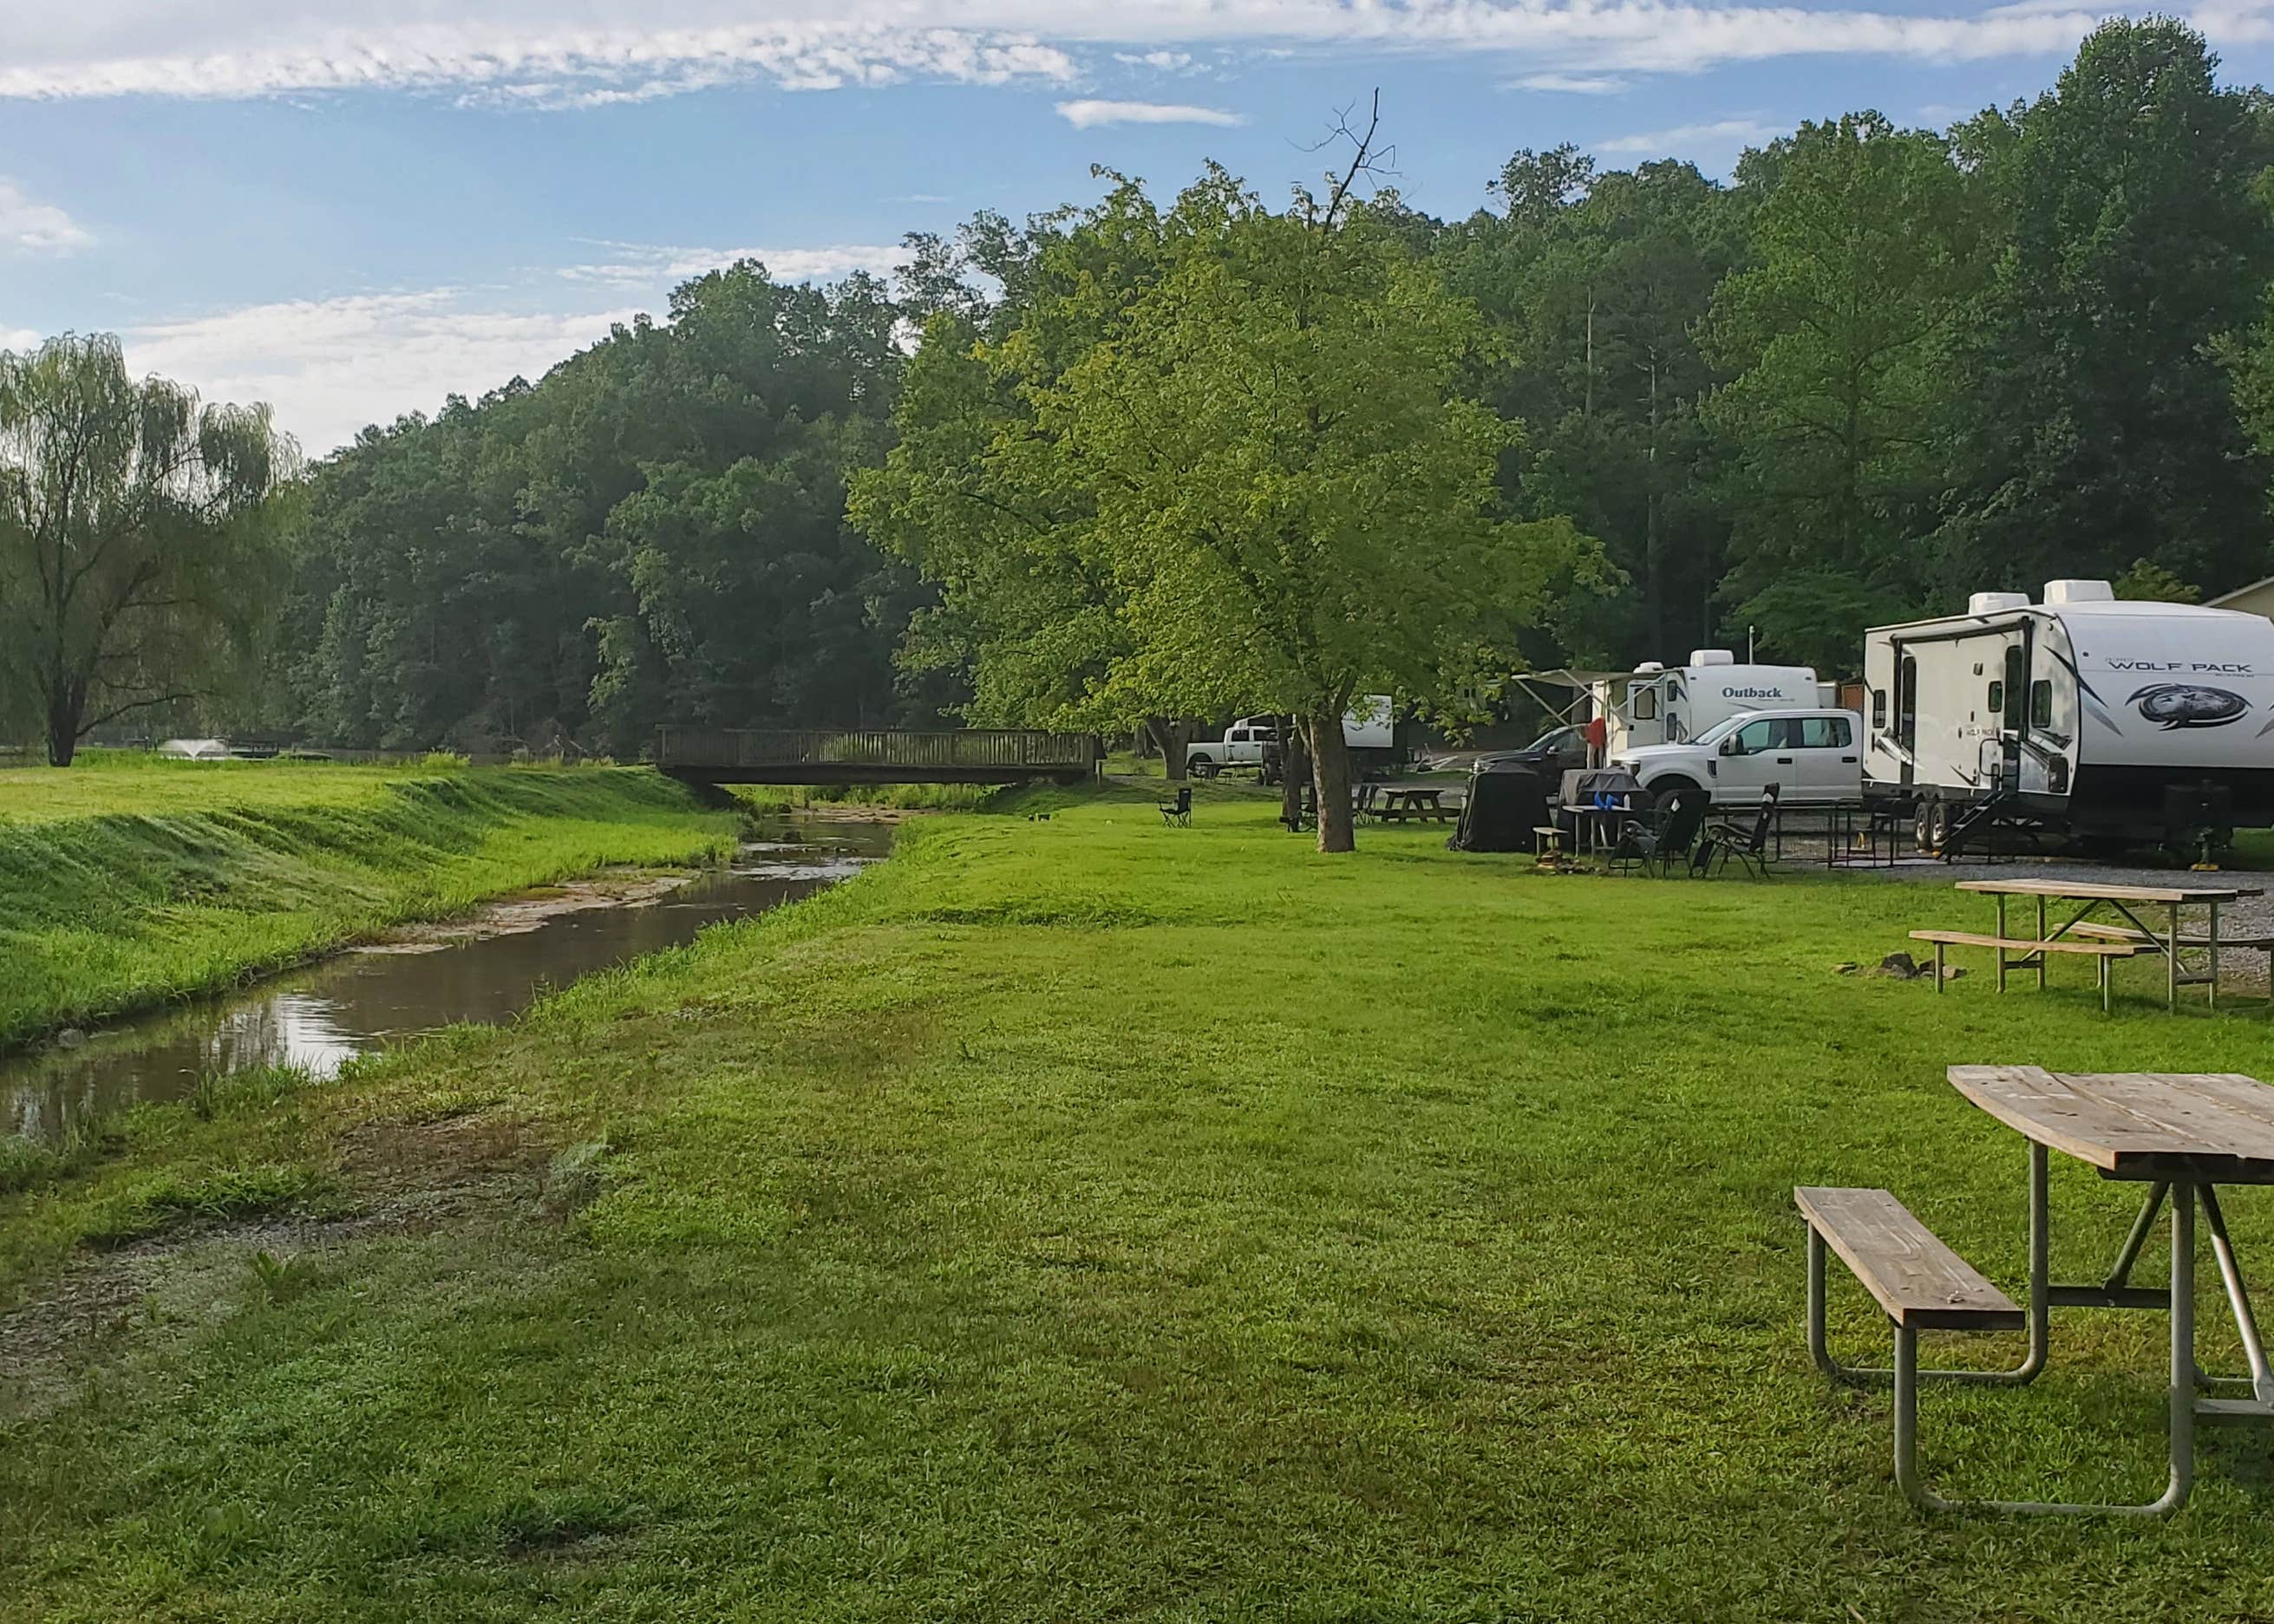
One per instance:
(1293, 494)
(2096, 424)
(1837, 336)
(1029, 621)
(1594, 287)
(134, 548)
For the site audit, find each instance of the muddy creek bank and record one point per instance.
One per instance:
(485, 968)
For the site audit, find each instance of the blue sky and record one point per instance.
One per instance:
(350, 210)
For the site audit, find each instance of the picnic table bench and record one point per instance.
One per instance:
(2105, 942)
(2180, 1134)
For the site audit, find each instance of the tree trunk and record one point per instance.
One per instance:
(1172, 735)
(65, 706)
(1294, 771)
(1331, 774)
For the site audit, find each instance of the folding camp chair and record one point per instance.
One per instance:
(1749, 847)
(1654, 848)
(1179, 811)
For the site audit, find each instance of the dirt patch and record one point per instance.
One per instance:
(531, 909)
(398, 1178)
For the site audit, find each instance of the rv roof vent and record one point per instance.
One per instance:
(1994, 603)
(1712, 656)
(2079, 592)
(1650, 668)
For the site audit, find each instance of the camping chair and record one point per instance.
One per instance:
(1750, 848)
(1179, 811)
(1362, 800)
(1655, 848)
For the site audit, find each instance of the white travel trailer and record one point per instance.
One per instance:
(2121, 721)
(1672, 704)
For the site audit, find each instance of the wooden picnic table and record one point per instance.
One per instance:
(2182, 1135)
(2122, 900)
(1401, 802)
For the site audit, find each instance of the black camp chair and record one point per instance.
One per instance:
(1179, 811)
(1656, 848)
(1749, 847)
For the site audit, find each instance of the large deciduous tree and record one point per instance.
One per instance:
(1260, 476)
(133, 536)
(1839, 335)
(2097, 425)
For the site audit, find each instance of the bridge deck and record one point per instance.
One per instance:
(976, 755)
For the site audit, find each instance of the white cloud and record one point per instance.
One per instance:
(34, 227)
(523, 52)
(1572, 84)
(1090, 115)
(1165, 61)
(329, 366)
(1723, 135)
(647, 264)
(20, 338)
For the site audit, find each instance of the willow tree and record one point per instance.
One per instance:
(133, 530)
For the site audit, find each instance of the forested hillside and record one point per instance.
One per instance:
(1875, 369)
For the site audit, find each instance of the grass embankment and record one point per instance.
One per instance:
(130, 884)
(1087, 1219)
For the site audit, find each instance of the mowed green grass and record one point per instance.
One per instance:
(129, 884)
(1083, 1219)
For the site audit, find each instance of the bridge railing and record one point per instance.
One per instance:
(971, 749)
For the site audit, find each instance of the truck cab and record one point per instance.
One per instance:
(1814, 756)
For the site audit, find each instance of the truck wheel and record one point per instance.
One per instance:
(1663, 790)
(1201, 766)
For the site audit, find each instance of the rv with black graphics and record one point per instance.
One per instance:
(2115, 721)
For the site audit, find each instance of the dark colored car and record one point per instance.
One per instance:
(1552, 755)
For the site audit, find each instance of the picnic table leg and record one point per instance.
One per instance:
(2106, 1007)
(2180, 1405)
(2213, 934)
(2172, 962)
(2238, 1298)
(2001, 941)
(1938, 967)
(2183, 1347)
(2042, 954)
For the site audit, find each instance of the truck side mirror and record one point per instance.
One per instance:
(1733, 746)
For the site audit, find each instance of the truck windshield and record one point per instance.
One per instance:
(1720, 729)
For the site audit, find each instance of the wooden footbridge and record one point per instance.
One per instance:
(976, 755)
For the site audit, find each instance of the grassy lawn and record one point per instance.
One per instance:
(128, 883)
(1085, 1219)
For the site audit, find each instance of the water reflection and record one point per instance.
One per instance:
(319, 1017)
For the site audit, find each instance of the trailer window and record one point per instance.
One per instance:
(1879, 709)
(1997, 699)
(1646, 704)
(2017, 673)
(2041, 703)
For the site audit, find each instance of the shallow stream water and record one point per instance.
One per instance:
(320, 1016)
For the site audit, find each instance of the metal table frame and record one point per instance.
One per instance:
(2184, 1187)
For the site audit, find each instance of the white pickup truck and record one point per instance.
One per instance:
(1815, 757)
(1369, 734)
(1242, 746)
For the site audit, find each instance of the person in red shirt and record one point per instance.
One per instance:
(1597, 732)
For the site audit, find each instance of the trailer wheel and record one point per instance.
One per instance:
(1929, 820)
(1939, 824)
